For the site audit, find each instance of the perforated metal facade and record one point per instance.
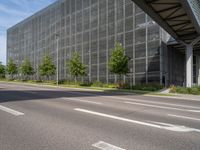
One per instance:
(90, 27)
(195, 5)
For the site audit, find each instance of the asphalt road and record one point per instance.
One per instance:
(44, 118)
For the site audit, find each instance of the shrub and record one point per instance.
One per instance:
(103, 85)
(97, 84)
(195, 91)
(112, 85)
(38, 81)
(172, 89)
(61, 81)
(2, 71)
(183, 90)
(11, 69)
(69, 82)
(148, 87)
(85, 84)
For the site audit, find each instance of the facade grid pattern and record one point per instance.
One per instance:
(90, 27)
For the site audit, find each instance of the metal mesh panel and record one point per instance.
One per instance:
(140, 65)
(90, 27)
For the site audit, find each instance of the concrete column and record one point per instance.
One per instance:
(189, 65)
(198, 70)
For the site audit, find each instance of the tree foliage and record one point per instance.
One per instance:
(47, 68)
(76, 67)
(11, 68)
(26, 68)
(118, 63)
(2, 70)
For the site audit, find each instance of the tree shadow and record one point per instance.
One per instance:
(26, 95)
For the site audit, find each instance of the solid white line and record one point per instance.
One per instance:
(184, 117)
(11, 111)
(116, 117)
(106, 146)
(173, 97)
(137, 100)
(153, 102)
(163, 107)
(80, 100)
(158, 125)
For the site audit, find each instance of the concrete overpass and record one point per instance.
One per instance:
(181, 19)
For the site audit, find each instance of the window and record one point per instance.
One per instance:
(140, 20)
(138, 10)
(153, 33)
(129, 38)
(129, 24)
(129, 10)
(140, 78)
(140, 36)
(153, 64)
(140, 50)
(120, 26)
(153, 48)
(140, 65)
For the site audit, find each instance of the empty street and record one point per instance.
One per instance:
(49, 118)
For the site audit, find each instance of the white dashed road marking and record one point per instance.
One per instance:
(163, 107)
(11, 111)
(159, 125)
(80, 100)
(106, 146)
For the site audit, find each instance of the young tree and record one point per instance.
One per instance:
(2, 70)
(11, 68)
(118, 63)
(47, 68)
(76, 67)
(26, 69)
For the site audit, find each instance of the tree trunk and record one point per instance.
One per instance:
(26, 77)
(11, 76)
(120, 81)
(75, 79)
(47, 77)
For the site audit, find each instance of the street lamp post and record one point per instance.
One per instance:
(131, 73)
(57, 65)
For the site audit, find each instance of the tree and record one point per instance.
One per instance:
(76, 67)
(118, 63)
(2, 70)
(47, 68)
(11, 68)
(26, 69)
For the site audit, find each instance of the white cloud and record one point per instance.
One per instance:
(4, 9)
(12, 12)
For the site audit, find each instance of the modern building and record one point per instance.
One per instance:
(91, 27)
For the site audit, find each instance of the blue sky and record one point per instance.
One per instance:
(14, 11)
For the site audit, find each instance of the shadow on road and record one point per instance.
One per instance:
(24, 95)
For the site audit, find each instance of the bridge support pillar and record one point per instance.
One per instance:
(189, 61)
(189, 65)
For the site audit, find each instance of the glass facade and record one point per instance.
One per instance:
(90, 27)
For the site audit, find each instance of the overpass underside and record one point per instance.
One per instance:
(181, 19)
